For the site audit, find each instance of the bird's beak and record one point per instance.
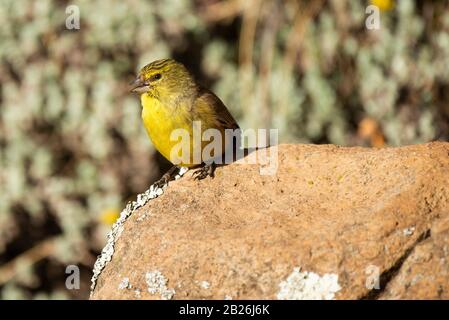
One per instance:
(139, 86)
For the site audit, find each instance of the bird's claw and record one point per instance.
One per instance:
(165, 179)
(204, 171)
(162, 182)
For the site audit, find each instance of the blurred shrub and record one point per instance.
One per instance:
(73, 148)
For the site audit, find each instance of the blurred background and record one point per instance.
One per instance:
(74, 151)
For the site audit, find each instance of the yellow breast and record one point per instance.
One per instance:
(160, 122)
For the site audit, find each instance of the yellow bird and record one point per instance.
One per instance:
(171, 100)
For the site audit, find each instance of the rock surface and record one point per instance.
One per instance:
(332, 222)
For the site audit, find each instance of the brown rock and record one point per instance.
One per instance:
(425, 272)
(332, 211)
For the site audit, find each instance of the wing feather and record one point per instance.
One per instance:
(207, 104)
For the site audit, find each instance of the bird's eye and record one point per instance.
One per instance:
(157, 76)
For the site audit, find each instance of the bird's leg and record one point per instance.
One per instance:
(167, 177)
(204, 171)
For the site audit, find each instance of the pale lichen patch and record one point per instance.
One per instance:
(124, 284)
(142, 217)
(117, 228)
(157, 284)
(308, 286)
(408, 231)
(205, 284)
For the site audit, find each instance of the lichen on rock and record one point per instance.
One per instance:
(157, 284)
(308, 286)
(117, 228)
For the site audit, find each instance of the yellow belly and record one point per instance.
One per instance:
(161, 122)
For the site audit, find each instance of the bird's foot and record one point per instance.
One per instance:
(163, 181)
(168, 176)
(204, 171)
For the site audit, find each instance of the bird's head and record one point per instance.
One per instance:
(164, 79)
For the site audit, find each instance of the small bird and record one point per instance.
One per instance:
(171, 99)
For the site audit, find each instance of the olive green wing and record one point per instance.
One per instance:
(208, 107)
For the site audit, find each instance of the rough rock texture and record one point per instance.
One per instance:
(340, 215)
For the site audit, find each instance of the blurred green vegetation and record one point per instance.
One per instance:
(73, 149)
